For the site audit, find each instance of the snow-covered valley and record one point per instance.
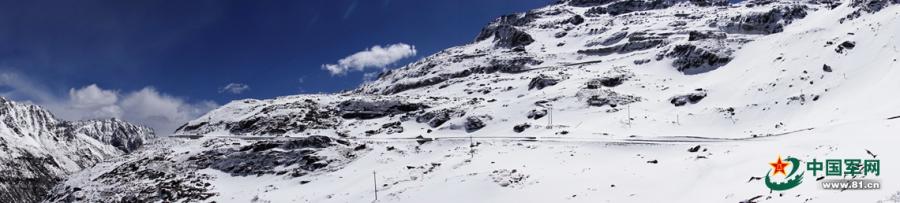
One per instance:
(546, 169)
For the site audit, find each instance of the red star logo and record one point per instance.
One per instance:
(779, 166)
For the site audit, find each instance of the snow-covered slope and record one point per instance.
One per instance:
(37, 150)
(750, 69)
(593, 100)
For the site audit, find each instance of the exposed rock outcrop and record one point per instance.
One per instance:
(772, 21)
(689, 98)
(542, 81)
(366, 109)
(439, 117)
(691, 59)
(474, 123)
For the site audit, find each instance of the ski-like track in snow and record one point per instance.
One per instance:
(632, 140)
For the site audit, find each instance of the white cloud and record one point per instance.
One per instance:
(375, 57)
(91, 102)
(147, 106)
(92, 96)
(234, 88)
(162, 111)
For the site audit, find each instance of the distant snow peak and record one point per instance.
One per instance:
(375, 57)
(37, 150)
(147, 106)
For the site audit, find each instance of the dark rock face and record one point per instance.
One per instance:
(769, 22)
(259, 158)
(474, 123)
(389, 128)
(542, 81)
(845, 46)
(364, 109)
(19, 187)
(310, 115)
(506, 36)
(439, 117)
(575, 20)
(512, 65)
(690, 59)
(586, 3)
(515, 20)
(623, 7)
(697, 35)
(400, 87)
(521, 127)
(157, 184)
(560, 34)
(644, 36)
(641, 61)
(505, 33)
(595, 11)
(537, 114)
(690, 98)
(611, 81)
(709, 2)
(865, 6)
(605, 97)
(629, 6)
(826, 68)
(872, 6)
(628, 47)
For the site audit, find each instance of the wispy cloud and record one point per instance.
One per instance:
(350, 9)
(375, 57)
(22, 87)
(234, 88)
(146, 106)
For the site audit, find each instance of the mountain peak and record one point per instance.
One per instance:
(38, 149)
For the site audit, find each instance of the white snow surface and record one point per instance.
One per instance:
(774, 97)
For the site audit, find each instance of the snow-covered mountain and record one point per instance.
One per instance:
(38, 150)
(681, 67)
(581, 100)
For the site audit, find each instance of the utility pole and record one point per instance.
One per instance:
(629, 115)
(550, 118)
(677, 120)
(375, 180)
(471, 148)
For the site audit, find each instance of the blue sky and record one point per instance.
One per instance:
(72, 56)
(193, 48)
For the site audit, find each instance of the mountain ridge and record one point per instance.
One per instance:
(40, 150)
(647, 54)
